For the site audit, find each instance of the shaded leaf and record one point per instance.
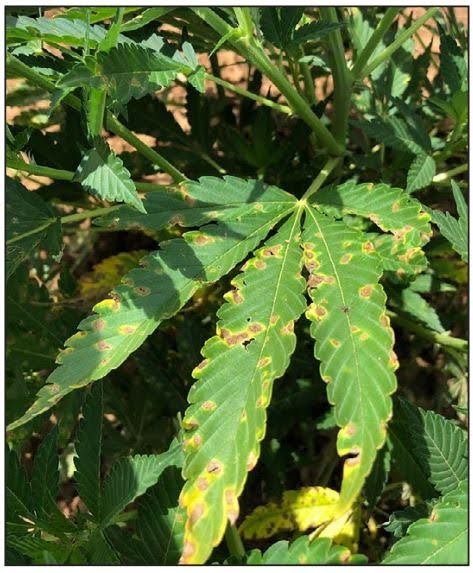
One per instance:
(89, 450)
(169, 277)
(421, 172)
(378, 477)
(45, 474)
(399, 521)
(440, 539)
(31, 224)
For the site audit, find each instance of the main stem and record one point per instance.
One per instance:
(341, 78)
(253, 51)
(234, 543)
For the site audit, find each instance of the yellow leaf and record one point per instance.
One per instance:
(299, 510)
(107, 274)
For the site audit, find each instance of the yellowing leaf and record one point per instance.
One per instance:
(303, 509)
(107, 274)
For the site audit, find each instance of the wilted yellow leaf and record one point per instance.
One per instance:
(107, 274)
(299, 510)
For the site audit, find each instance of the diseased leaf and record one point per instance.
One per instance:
(131, 477)
(31, 224)
(353, 341)
(299, 510)
(103, 175)
(89, 450)
(440, 539)
(454, 230)
(438, 446)
(304, 552)
(421, 172)
(107, 274)
(131, 71)
(227, 416)
(148, 295)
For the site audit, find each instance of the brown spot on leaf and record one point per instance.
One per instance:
(259, 264)
(142, 290)
(264, 362)
(384, 320)
(190, 424)
(393, 362)
(127, 329)
(187, 552)
(197, 512)
(255, 327)
(367, 247)
(366, 291)
(208, 405)
(334, 342)
(103, 345)
(346, 258)
(99, 324)
(273, 251)
(214, 467)
(287, 328)
(202, 484)
(396, 206)
(274, 318)
(251, 462)
(364, 336)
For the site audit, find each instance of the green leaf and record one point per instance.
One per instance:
(354, 342)
(378, 477)
(31, 224)
(71, 32)
(412, 303)
(103, 175)
(131, 71)
(278, 24)
(421, 172)
(145, 17)
(19, 498)
(392, 210)
(169, 277)
(453, 67)
(454, 230)
(160, 521)
(89, 450)
(396, 133)
(130, 477)
(440, 539)
(302, 551)
(39, 550)
(254, 341)
(313, 31)
(399, 521)
(45, 474)
(437, 445)
(99, 550)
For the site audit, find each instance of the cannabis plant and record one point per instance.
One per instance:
(283, 238)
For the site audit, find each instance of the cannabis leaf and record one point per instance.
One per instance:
(354, 341)
(168, 279)
(254, 341)
(454, 230)
(440, 539)
(102, 173)
(30, 224)
(304, 552)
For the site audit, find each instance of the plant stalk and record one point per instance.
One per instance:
(449, 174)
(89, 214)
(234, 542)
(387, 52)
(341, 78)
(430, 335)
(374, 40)
(321, 177)
(256, 97)
(14, 64)
(253, 51)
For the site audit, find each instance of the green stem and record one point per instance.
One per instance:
(245, 93)
(308, 83)
(245, 22)
(430, 335)
(321, 177)
(16, 238)
(41, 170)
(90, 214)
(234, 543)
(118, 128)
(341, 78)
(374, 40)
(253, 51)
(440, 177)
(398, 42)
(15, 65)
